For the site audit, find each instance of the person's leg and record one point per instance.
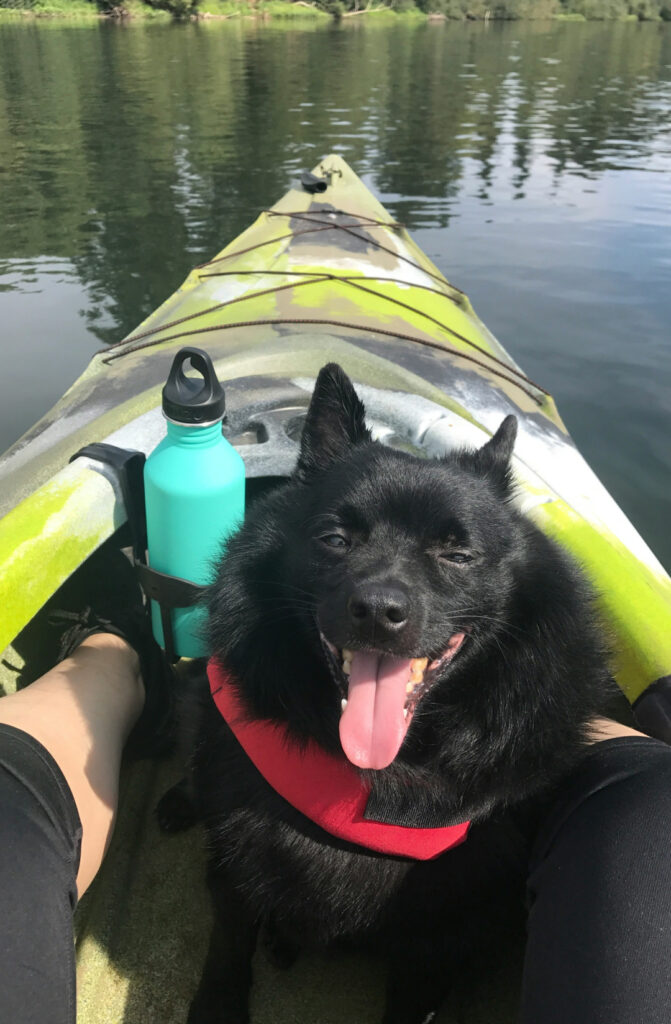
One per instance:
(82, 711)
(599, 933)
(60, 749)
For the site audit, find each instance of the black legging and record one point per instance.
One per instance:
(40, 835)
(599, 884)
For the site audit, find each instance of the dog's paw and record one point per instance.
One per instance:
(175, 811)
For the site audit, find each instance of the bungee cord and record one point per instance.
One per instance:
(129, 344)
(270, 322)
(393, 225)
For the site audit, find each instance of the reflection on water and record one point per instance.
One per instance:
(532, 161)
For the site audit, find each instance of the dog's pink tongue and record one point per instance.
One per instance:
(373, 726)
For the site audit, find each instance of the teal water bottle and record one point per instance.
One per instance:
(194, 492)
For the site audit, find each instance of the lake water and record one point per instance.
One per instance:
(531, 161)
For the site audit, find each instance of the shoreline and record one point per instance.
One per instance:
(266, 10)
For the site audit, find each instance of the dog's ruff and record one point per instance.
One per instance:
(326, 789)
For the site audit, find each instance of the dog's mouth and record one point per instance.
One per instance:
(380, 694)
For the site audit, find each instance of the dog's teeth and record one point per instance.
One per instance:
(405, 713)
(347, 655)
(343, 703)
(417, 667)
(409, 687)
(347, 667)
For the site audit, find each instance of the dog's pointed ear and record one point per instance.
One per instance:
(493, 459)
(335, 422)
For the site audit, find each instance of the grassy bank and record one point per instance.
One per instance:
(49, 8)
(122, 10)
(81, 10)
(460, 10)
(261, 9)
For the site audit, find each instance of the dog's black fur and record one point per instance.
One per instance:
(505, 719)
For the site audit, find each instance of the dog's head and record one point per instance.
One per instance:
(407, 561)
(370, 581)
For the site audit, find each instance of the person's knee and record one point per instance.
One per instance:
(37, 896)
(611, 824)
(40, 833)
(600, 892)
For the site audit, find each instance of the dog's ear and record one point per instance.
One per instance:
(335, 422)
(493, 459)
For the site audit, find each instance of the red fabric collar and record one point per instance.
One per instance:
(325, 788)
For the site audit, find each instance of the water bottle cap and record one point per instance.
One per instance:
(189, 399)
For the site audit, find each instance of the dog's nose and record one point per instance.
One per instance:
(382, 606)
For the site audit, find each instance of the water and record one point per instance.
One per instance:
(532, 161)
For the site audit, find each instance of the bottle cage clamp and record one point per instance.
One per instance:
(169, 592)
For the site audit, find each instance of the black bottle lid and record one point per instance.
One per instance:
(191, 399)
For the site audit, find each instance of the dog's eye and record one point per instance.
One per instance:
(335, 540)
(457, 557)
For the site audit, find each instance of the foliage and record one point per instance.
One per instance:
(178, 8)
(60, 8)
(335, 7)
(608, 10)
(137, 9)
(599, 10)
(475, 10)
(283, 9)
(482, 10)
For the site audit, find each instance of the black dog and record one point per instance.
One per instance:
(400, 616)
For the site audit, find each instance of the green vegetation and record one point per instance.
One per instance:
(461, 10)
(260, 9)
(571, 10)
(51, 8)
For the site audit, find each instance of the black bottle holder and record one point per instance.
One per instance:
(169, 592)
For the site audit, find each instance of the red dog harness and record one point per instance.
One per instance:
(326, 789)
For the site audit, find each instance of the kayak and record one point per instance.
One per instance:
(323, 275)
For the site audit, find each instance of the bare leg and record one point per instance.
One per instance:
(606, 729)
(82, 711)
